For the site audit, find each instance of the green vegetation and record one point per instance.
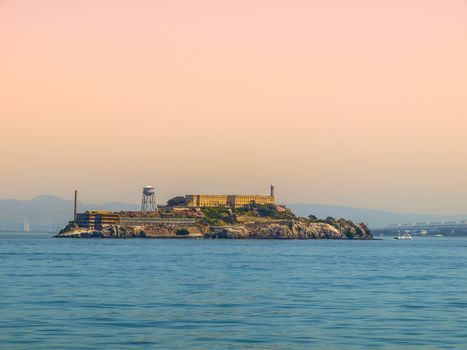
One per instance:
(218, 216)
(349, 228)
(265, 211)
(348, 233)
(177, 201)
(72, 225)
(182, 232)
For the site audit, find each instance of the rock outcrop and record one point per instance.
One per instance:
(293, 229)
(251, 221)
(298, 228)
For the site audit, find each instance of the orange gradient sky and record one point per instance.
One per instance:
(347, 102)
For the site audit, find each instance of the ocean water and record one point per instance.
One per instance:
(232, 294)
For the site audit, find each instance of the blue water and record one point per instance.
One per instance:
(226, 294)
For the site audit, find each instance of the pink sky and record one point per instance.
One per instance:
(360, 103)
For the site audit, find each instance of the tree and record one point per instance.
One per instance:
(176, 201)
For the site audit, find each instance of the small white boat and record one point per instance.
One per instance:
(404, 236)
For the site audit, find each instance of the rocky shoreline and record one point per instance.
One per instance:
(299, 228)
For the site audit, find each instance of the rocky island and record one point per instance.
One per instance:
(251, 221)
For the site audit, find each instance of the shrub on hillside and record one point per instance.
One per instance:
(177, 201)
(183, 232)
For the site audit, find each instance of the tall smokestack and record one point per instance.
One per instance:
(75, 208)
(272, 190)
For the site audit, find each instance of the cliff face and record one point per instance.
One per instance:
(117, 231)
(298, 228)
(294, 229)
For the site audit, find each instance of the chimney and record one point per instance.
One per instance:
(75, 209)
(272, 190)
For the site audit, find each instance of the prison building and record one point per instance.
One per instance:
(97, 219)
(233, 201)
(155, 221)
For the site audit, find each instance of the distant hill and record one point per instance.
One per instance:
(50, 213)
(373, 218)
(46, 213)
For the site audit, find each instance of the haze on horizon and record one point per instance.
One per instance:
(358, 103)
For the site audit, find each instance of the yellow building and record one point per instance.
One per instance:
(233, 201)
(240, 201)
(97, 219)
(205, 200)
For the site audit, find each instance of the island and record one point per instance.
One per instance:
(178, 220)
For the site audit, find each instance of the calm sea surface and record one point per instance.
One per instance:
(221, 294)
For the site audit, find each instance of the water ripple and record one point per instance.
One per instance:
(138, 294)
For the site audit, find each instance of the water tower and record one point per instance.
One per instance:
(148, 202)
